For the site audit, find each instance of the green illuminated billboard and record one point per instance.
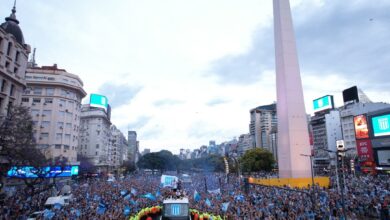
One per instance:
(98, 101)
(323, 103)
(381, 125)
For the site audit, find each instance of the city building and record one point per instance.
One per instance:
(95, 134)
(133, 144)
(54, 97)
(145, 151)
(347, 113)
(118, 148)
(326, 130)
(244, 144)
(262, 125)
(13, 63)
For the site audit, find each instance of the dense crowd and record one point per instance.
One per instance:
(365, 197)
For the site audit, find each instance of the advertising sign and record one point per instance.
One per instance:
(364, 149)
(44, 172)
(383, 157)
(381, 125)
(361, 127)
(169, 181)
(98, 101)
(323, 103)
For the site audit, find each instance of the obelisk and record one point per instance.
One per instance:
(293, 135)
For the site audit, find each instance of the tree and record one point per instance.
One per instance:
(128, 166)
(18, 148)
(257, 159)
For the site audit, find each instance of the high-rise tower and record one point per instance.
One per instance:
(293, 136)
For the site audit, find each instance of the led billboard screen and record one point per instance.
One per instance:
(361, 127)
(383, 157)
(381, 125)
(364, 150)
(323, 103)
(351, 94)
(98, 101)
(44, 172)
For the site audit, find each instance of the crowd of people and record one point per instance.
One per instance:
(364, 197)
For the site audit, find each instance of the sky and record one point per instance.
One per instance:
(183, 72)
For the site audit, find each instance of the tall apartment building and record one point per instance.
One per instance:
(54, 97)
(118, 147)
(244, 144)
(13, 63)
(133, 144)
(326, 130)
(95, 136)
(263, 126)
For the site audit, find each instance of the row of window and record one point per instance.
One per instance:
(51, 92)
(4, 86)
(9, 54)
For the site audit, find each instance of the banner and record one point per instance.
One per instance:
(364, 149)
(169, 181)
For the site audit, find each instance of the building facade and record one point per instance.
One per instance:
(263, 127)
(133, 146)
(118, 148)
(347, 114)
(244, 144)
(13, 63)
(95, 134)
(54, 97)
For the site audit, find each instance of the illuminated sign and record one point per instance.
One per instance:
(44, 172)
(381, 125)
(98, 101)
(361, 128)
(323, 103)
(364, 150)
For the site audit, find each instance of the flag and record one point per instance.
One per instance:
(96, 198)
(239, 198)
(47, 214)
(126, 211)
(132, 202)
(225, 206)
(149, 196)
(196, 196)
(123, 192)
(57, 206)
(215, 191)
(158, 193)
(128, 197)
(101, 208)
(78, 213)
(208, 203)
(133, 191)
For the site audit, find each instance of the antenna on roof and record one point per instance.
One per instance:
(15, 4)
(32, 62)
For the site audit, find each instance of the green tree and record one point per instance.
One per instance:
(257, 159)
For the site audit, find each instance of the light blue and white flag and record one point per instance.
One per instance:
(133, 191)
(196, 196)
(149, 196)
(225, 206)
(123, 192)
(126, 211)
(208, 202)
(215, 191)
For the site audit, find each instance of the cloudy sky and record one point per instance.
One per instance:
(183, 72)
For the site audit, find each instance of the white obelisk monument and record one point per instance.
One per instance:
(293, 135)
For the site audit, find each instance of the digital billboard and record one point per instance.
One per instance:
(361, 127)
(364, 150)
(323, 103)
(351, 94)
(381, 125)
(98, 101)
(44, 172)
(383, 157)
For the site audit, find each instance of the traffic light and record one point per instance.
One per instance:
(340, 150)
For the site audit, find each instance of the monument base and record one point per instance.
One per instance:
(291, 182)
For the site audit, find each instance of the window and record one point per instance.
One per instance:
(48, 100)
(12, 90)
(60, 125)
(3, 85)
(59, 137)
(45, 124)
(25, 99)
(34, 112)
(61, 114)
(36, 100)
(9, 49)
(66, 147)
(58, 146)
(7, 65)
(63, 92)
(61, 102)
(67, 137)
(46, 113)
(70, 104)
(49, 91)
(97, 146)
(17, 56)
(15, 70)
(37, 91)
(96, 153)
